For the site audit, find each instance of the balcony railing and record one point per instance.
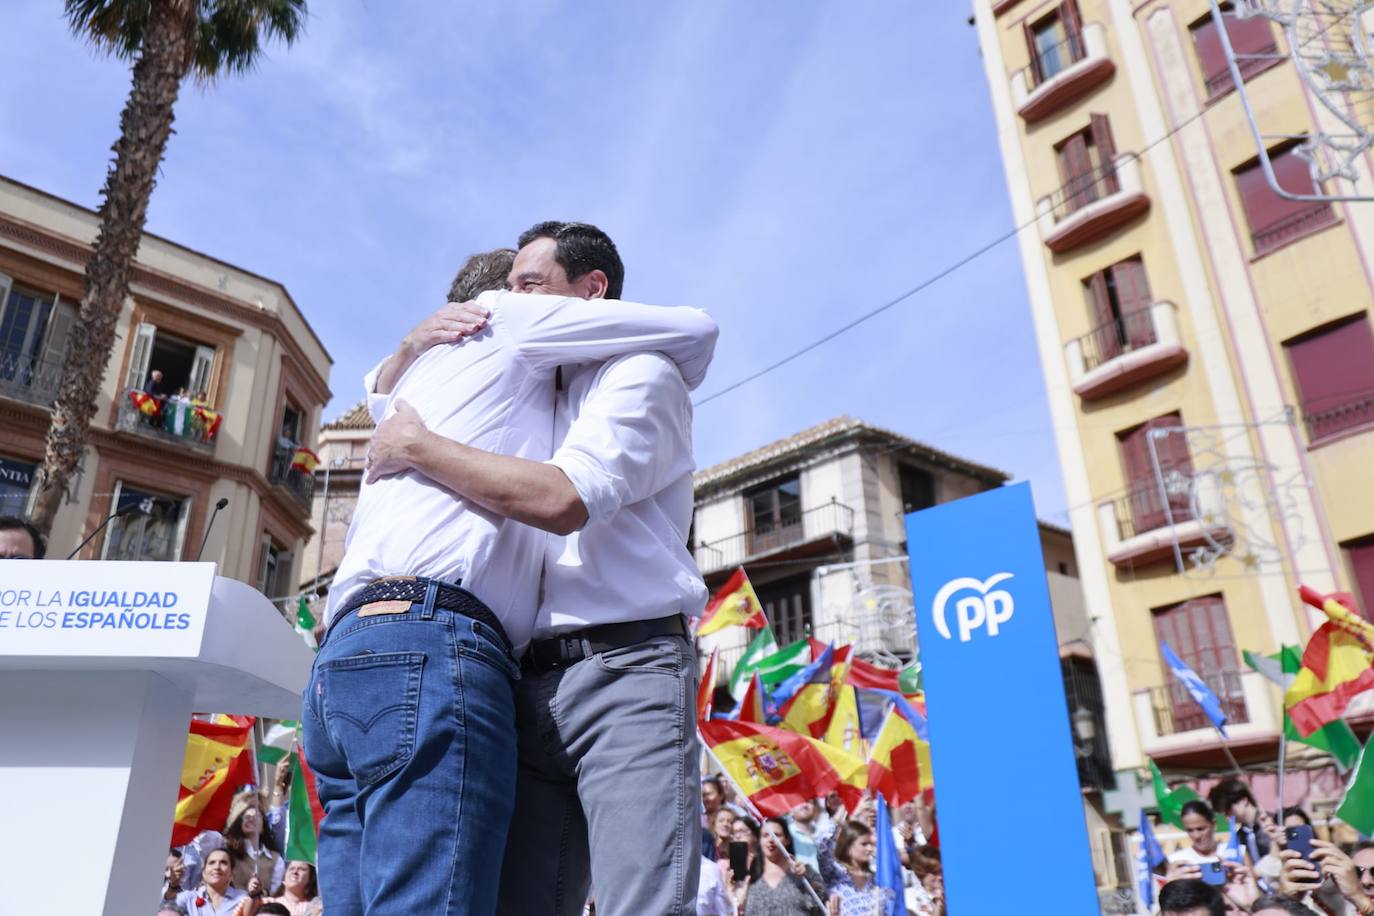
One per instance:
(1138, 345)
(826, 520)
(31, 379)
(168, 420)
(297, 482)
(1137, 529)
(1143, 509)
(1091, 205)
(1332, 420)
(1292, 226)
(1251, 64)
(1176, 711)
(1062, 73)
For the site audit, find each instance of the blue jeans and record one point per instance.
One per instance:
(409, 725)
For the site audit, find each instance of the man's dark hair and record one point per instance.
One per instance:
(1294, 811)
(15, 523)
(582, 248)
(1361, 846)
(1197, 806)
(1187, 894)
(1227, 792)
(1285, 904)
(171, 906)
(483, 271)
(273, 908)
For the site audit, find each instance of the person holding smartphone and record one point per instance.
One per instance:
(1343, 884)
(741, 861)
(1202, 861)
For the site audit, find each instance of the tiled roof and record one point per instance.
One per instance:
(840, 427)
(357, 417)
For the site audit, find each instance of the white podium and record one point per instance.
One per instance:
(101, 666)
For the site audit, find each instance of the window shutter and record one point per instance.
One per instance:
(59, 330)
(1105, 338)
(1210, 56)
(264, 563)
(1076, 166)
(1106, 152)
(1036, 77)
(1362, 565)
(1133, 296)
(141, 355)
(1331, 369)
(1073, 28)
(200, 371)
(1274, 219)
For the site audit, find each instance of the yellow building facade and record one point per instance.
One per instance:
(1206, 347)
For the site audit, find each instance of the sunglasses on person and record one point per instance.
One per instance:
(1362, 870)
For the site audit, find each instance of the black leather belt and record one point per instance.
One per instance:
(568, 649)
(447, 596)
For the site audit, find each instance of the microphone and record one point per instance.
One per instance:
(129, 509)
(223, 501)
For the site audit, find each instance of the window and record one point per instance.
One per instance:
(16, 479)
(917, 488)
(155, 530)
(274, 569)
(787, 605)
(178, 364)
(1361, 556)
(1119, 299)
(1250, 35)
(1055, 41)
(1333, 371)
(774, 514)
(1199, 632)
(1148, 510)
(1086, 164)
(1275, 220)
(33, 339)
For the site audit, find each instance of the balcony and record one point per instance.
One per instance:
(1140, 528)
(33, 380)
(1333, 420)
(168, 420)
(1138, 345)
(1173, 727)
(1092, 206)
(805, 533)
(1062, 74)
(298, 483)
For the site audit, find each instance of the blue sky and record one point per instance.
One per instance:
(783, 164)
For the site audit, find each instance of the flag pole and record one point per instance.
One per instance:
(758, 815)
(1283, 754)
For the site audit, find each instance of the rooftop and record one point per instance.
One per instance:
(356, 417)
(832, 432)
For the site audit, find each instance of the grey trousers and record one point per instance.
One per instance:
(608, 789)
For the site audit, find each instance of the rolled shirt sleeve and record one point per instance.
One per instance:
(633, 436)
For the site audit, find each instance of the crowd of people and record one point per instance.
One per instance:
(817, 861)
(1279, 864)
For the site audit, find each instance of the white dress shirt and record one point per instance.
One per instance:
(494, 391)
(626, 431)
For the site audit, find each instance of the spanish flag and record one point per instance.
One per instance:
(219, 759)
(735, 605)
(777, 769)
(846, 730)
(305, 460)
(755, 705)
(145, 402)
(807, 699)
(707, 688)
(1336, 665)
(899, 766)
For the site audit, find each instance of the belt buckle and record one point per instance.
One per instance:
(569, 651)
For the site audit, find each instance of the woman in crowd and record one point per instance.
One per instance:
(927, 898)
(742, 830)
(845, 857)
(251, 850)
(781, 887)
(299, 893)
(722, 829)
(216, 895)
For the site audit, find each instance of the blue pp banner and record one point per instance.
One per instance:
(1006, 780)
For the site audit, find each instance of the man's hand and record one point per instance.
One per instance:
(1298, 875)
(1240, 886)
(254, 887)
(1178, 871)
(450, 324)
(394, 442)
(1341, 868)
(1272, 830)
(866, 813)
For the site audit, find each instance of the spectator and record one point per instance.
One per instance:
(20, 540)
(846, 856)
(927, 896)
(215, 896)
(168, 908)
(1200, 824)
(173, 875)
(273, 909)
(1190, 897)
(721, 828)
(780, 887)
(1233, 798)
(1275, 905)
(243, 837)
(808, 824)
(1350, 877)
(711, 797)
(299, 894)
(712, 899)
(745, 831)
(153, 384)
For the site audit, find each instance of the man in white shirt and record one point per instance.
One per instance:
(408, 720)
(608, 789)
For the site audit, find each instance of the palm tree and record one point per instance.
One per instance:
(167, 40)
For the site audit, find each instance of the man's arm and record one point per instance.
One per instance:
(450, 324)
(536, 494)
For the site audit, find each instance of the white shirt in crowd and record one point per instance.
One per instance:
(494, 391)
(625, 429)
(712, 899)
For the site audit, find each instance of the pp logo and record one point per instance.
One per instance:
(987, 608)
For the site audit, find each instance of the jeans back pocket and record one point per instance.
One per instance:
(371, 704)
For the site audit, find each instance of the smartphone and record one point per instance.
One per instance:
(1299, 839)
(739, 860)
(1213, 873)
